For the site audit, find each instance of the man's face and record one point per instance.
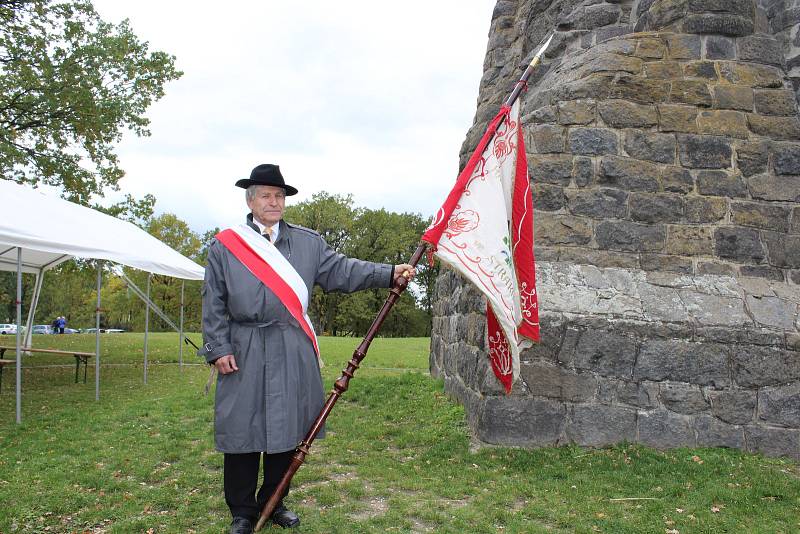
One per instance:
(268, 204)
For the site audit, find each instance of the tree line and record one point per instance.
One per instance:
(374, 235)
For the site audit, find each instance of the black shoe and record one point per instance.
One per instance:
(284, 517)
(241, 525)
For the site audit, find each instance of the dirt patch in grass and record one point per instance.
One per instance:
(375, 507)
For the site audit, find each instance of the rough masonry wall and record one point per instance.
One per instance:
(664, 151)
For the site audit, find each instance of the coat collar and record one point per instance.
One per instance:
(282, 233)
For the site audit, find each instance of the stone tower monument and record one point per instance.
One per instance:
(664, 152)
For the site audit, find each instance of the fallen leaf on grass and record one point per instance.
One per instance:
(697, 459)
(717, 508)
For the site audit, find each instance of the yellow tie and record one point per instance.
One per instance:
(268, 233)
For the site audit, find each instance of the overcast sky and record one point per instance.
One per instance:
(369, 98)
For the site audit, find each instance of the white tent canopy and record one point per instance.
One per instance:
(38, 232)
(51, 230)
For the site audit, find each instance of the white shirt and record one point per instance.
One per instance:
(275, 229)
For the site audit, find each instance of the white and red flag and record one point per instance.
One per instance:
(484, 230)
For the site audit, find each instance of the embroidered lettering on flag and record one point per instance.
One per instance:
(266, 263)
(484, 230)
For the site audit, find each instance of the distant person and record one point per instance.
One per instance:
(257, 335)
(61, 323)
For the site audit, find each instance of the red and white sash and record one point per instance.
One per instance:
(267, 264)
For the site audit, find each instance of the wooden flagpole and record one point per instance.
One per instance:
(342, 383)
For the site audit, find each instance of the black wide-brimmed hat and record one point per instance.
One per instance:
(266, 174)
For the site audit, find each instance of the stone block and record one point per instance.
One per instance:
(762, 271)
(778, 128)
(704, 151)
(598, 203)
(629, 174)
(663, 70)
(677, 180)
(548, 197)
(611, 63)
(689, 240)
(752, 158)
(733, 97)
(650, 49)
(622, 114)
(712, 432)
(694, 92)
(666, 263)
(600, 258)
(787, 159)
(739, 244)
(772, 311)
(519, 421)
(782, 19)
(734, 406)
(675, 118)
(643, 90)
(776, 102)
(723, 24)
(545, 138)
(656, 208)
(605, 353)
(683, 46)
(630, 237)
(664, 430)
(721, 183)
(743, 8)
(561, 230)
(596, 86)
(715, 268)
(760, 49)
(718, 47)
(542, 115)
(651, 146)
(784, 251)
(600, 425)
(755, 367)
(558, 383)
(760, 215)
(682, 398)
(751, 74)
(723, 122)
(715, 310)
(706, 70)
(556, 169)
(638, 394)
(582, 171)
(576, 112)
(780, 188)
(773, 441)
(704, 364)
(592, 141)
(794, 228)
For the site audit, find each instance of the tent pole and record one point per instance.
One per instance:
(97, 333)
(19, 334)
(180, 335)
(37, 290)
(146, 324)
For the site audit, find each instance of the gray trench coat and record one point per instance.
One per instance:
(269, 404)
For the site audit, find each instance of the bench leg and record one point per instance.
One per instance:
(77, 368)
(85, 365)
(1, 378)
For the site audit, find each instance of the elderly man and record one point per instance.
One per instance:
(257, 335)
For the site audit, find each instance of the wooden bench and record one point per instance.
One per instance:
(80, 357)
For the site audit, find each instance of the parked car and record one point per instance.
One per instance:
(42, 329)
(9, 329)
(71, 331)
(114, 330)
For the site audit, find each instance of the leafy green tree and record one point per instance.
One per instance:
(70, 84)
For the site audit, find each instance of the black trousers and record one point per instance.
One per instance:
(241, 480)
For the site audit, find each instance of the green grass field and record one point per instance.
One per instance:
(398, 458)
